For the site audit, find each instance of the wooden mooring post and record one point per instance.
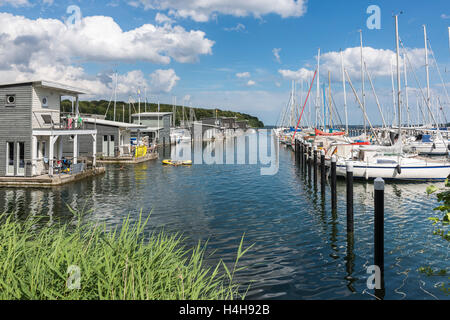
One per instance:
(315, 167)
(379, 186)
(349, 178)
(333, 183)
(305, 159)
(309, 162)
(323, 169)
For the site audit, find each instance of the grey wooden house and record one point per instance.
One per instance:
(156, 125)
(32, 129)
(114, 138)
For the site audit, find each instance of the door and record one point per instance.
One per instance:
(111, 147)
(10, 158)
(20, 158)
(105, 146)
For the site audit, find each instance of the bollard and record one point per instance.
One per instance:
(333, 184)
(322, 172)
(315, 167)
(379, 232)
(350, 223)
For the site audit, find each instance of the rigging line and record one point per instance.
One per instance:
(416, 79)
(376, 96)
(442, 109)
(306, 101)
(286, 110)
(361, 105)
(109, 104)
(335, 109)
(439, 72)
(426, 100)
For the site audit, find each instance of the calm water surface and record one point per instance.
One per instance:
(300, 248)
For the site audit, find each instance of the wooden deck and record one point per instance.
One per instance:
(47, 181)
(129, 160)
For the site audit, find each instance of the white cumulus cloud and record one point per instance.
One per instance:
(300, 74)
(163, 81)
(51, 50)
(202, 11)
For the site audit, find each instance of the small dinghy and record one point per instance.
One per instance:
(175, 163)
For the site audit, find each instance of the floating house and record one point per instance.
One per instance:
(242, 124)
(155, 125)
(32, 132)
(114, 138)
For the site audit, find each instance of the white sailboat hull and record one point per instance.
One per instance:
(394, 171)
(429, 148)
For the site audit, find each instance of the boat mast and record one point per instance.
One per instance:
(393, 92)
(398, 81)
(115, 97)
(406, 89)
(362, 79)
(345, 93)
(139, 105)
(330, 106)
(427, 68)
(145, 101)
(318, 99)
(174, 112)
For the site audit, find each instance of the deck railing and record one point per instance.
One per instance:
(47, 120)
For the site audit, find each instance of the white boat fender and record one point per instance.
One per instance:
(399, 169)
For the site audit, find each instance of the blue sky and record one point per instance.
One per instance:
(222, 55)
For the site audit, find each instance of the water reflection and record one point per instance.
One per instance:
(302, 250)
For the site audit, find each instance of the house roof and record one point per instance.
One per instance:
(151, 114)
(112, 123)
(64, 89)
(146, 129)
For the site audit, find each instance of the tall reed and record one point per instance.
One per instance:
(45, 263)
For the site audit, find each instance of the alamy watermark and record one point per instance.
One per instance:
(261, 149)
(75, 17)
(374, 280)
(374, 20)
(74, 279)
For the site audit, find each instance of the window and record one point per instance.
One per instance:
(21, 158)
(45, 102)
(44, 147)
(10, 158)
(11, 100)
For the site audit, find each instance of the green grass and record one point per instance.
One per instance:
(119, 264)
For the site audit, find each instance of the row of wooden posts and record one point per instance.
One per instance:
(309, 159)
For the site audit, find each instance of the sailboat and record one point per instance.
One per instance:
(371, 162)
(425, 143)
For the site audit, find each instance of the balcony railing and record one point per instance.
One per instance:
(54, 120)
